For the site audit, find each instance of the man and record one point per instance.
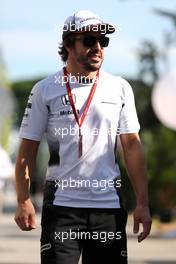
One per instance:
(82, 110)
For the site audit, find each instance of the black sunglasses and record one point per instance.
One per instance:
(90, 41)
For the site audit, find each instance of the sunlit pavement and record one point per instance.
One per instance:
(17, 247)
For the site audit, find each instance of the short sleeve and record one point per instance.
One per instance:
(128, 122)
(34, 121)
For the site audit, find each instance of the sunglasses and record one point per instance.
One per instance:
(90, 41)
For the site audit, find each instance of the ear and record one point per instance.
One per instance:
(67, 48)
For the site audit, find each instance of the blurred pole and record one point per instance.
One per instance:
(6, 103)
(164, 100)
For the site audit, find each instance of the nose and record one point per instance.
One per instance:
(97, 45)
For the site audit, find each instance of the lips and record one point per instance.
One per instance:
(95, 56)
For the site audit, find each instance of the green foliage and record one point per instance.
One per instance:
(6, 124)
(145, 112)
(21, 92)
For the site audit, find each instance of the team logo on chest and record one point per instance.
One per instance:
(65, 99)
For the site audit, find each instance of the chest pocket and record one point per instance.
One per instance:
(110, 109)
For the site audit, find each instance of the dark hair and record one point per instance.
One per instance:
(67, 42)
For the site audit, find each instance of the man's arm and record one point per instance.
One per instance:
(137, 171)
(25, 165)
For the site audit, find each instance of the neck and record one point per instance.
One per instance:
(80, 72)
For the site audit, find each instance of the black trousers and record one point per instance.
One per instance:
(98, 234)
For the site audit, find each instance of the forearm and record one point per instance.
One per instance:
(25, 166)
(22, 180)
(137, 170)
(24, 171)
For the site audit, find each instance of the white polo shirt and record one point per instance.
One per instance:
(88, 181)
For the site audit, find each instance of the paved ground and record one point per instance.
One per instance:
(17, 247)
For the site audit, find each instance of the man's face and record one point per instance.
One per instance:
(89, 58)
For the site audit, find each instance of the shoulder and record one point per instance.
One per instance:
(50, 81)
(48, 86)
(116, 82)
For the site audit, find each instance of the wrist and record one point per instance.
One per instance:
(23, 201)
(142, 203)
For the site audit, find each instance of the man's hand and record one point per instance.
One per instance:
(25, 216)
(142, 215)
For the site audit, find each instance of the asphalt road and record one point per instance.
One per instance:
(18, 247)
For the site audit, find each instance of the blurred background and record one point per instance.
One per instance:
(143, 50)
